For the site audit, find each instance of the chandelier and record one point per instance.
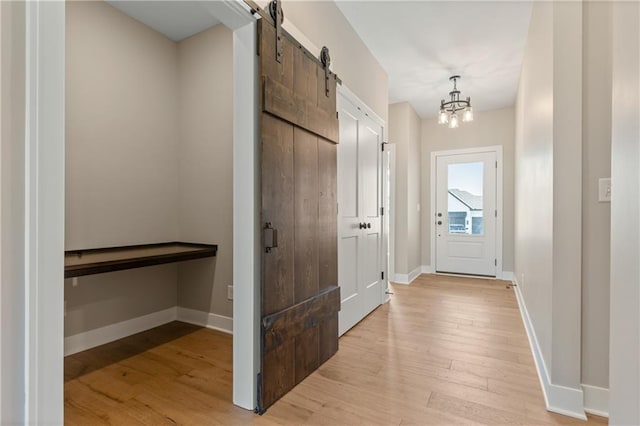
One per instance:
(449, 110)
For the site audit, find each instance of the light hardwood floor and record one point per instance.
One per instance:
(445, 350)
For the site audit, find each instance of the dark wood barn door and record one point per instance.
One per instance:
(299, 133)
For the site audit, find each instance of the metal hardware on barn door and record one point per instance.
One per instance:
(276, 12)
(270, 237)
(326, 61)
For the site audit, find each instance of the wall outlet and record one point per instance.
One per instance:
(604, 190)
(230, 292)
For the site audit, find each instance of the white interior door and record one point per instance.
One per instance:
(359, 216)
(466, 213)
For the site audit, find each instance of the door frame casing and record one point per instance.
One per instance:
(390, 211)
(497, 149)
(349, 96)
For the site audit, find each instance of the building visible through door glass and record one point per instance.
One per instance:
(464, 198)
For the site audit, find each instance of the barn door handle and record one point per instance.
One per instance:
(270, 237)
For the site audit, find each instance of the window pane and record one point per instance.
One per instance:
(465, 198)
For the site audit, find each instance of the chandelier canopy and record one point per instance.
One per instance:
(449, 110)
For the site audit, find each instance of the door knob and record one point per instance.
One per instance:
(439, 214)
(363, 225)
(368, 225)
(439, 222)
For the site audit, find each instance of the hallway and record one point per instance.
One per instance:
(445, 350)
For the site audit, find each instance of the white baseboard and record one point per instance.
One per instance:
(99, 336)
(407, 278)
(426, 269)
(596, 400)
(558, 399)
(206, 319)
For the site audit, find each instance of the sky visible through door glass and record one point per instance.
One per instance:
(467, 177)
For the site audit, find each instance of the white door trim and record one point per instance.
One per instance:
(390, 215)
(247, 268)
(499, 199)
(44, 195)
(44, 211)
(358, 103)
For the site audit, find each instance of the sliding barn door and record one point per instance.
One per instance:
(300, 294)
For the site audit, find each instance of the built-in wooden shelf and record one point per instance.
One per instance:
(96, 261)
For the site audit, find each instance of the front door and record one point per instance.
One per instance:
(359, 217)
(466, 213)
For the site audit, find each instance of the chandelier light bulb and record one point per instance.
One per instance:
(453, 121)
(443, 118)
(468, 114)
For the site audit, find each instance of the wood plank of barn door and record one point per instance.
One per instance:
(328, 242)
(305, 148)
(278, 209)
(290, 347)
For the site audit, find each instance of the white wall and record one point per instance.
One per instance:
(489, 128)
(533, 224)
(149, 159)
(12, 261)
(567, 193)
(206, 158)
(624, 403)
(121, 159)
(404, 132)
(596, 216)
(548, 175)
(122, 129)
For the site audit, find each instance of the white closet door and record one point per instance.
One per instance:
(359, 220)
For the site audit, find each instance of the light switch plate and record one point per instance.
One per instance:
(604, 190)
(229, 292)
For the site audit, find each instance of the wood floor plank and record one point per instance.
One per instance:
(444, 351)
